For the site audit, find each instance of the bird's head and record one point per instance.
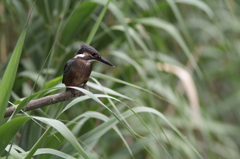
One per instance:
(88, 53)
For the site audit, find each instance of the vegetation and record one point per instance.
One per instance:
(174, 92)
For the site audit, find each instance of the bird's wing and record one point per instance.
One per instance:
(67, 69)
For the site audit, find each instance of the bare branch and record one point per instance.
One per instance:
(45, 101)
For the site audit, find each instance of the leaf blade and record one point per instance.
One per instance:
(10, 74)
(9, 130)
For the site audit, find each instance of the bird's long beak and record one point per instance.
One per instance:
(103, 60)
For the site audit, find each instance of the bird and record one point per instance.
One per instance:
(77, 70)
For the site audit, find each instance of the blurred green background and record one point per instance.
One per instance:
(174, 92)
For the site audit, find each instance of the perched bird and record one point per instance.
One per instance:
(78, 69)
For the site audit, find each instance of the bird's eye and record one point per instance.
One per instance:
(94, 55)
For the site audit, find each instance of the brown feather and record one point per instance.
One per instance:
(79, 73)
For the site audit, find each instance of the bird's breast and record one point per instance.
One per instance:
(79, 73)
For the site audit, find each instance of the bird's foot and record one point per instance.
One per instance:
(75, 93)
(84, 86)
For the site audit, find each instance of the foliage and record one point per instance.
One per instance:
(173, 93)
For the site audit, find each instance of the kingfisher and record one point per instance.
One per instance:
(78, 69)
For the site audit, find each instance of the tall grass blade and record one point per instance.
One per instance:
(95, 27)
(63, 130)
(200, 4)
(9, 130)
(10, 74)
(77, 19)
(168, 27)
